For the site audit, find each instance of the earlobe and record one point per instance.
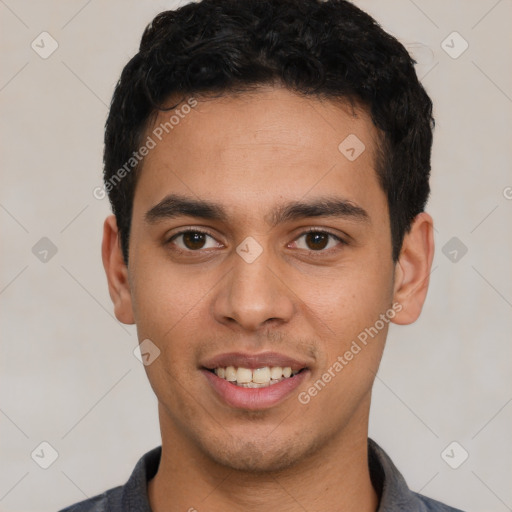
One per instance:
(117, 272)
(412, 271)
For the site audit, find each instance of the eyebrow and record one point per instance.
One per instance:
(174, 205)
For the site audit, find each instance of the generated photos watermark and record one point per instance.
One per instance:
(355, 348)
(150, 143)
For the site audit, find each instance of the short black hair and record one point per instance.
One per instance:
(330, 49)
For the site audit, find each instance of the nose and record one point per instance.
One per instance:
(253, 295)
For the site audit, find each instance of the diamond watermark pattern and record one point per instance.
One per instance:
(249, 249)
(351, 147)
(44, 45)
(454, 45)
(146, 352)
(44, 250)
(454, 249)
(44, 455)
(454, 455)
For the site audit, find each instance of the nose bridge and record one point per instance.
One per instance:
(252, 294)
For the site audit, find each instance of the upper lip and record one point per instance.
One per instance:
(253, 361)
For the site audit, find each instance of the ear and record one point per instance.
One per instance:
(412, 271)
(117, 272)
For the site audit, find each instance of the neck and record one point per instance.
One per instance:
(335, 477)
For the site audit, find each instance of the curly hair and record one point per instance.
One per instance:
(323, 48)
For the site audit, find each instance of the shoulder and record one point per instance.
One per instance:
(132, 495)
(104, 502)
(394, 492)
(430, 505)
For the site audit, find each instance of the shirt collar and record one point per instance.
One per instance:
(388, 482)
(386, 479)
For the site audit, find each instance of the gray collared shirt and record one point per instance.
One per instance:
(389, 484)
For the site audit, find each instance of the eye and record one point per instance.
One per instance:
(317, 241)
(193, 240)
(313, 240)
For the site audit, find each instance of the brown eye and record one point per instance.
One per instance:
(192, 240)
(317, 241)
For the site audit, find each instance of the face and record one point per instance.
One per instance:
(257, 244)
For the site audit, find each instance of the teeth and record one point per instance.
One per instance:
(230, 374)
(243, 375)
(260, 375)
(258, 378)
(276, 372)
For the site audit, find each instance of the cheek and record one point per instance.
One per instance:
(162, 296)
(347, 299)
(351, 339)
(170, 307)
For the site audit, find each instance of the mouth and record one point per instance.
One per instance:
(254, 381)
(257, 378)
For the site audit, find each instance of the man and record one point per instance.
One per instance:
(267, 162)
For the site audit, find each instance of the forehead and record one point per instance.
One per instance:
(257, 116)
(260, 147)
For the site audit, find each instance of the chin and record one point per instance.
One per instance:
(258, 456)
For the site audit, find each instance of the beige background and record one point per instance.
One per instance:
(68, 375)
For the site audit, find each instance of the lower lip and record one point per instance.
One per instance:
(254, 399)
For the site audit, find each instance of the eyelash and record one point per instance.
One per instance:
(307, 232)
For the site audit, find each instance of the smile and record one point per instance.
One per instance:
(256, 378)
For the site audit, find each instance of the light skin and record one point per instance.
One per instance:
(304, 297)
